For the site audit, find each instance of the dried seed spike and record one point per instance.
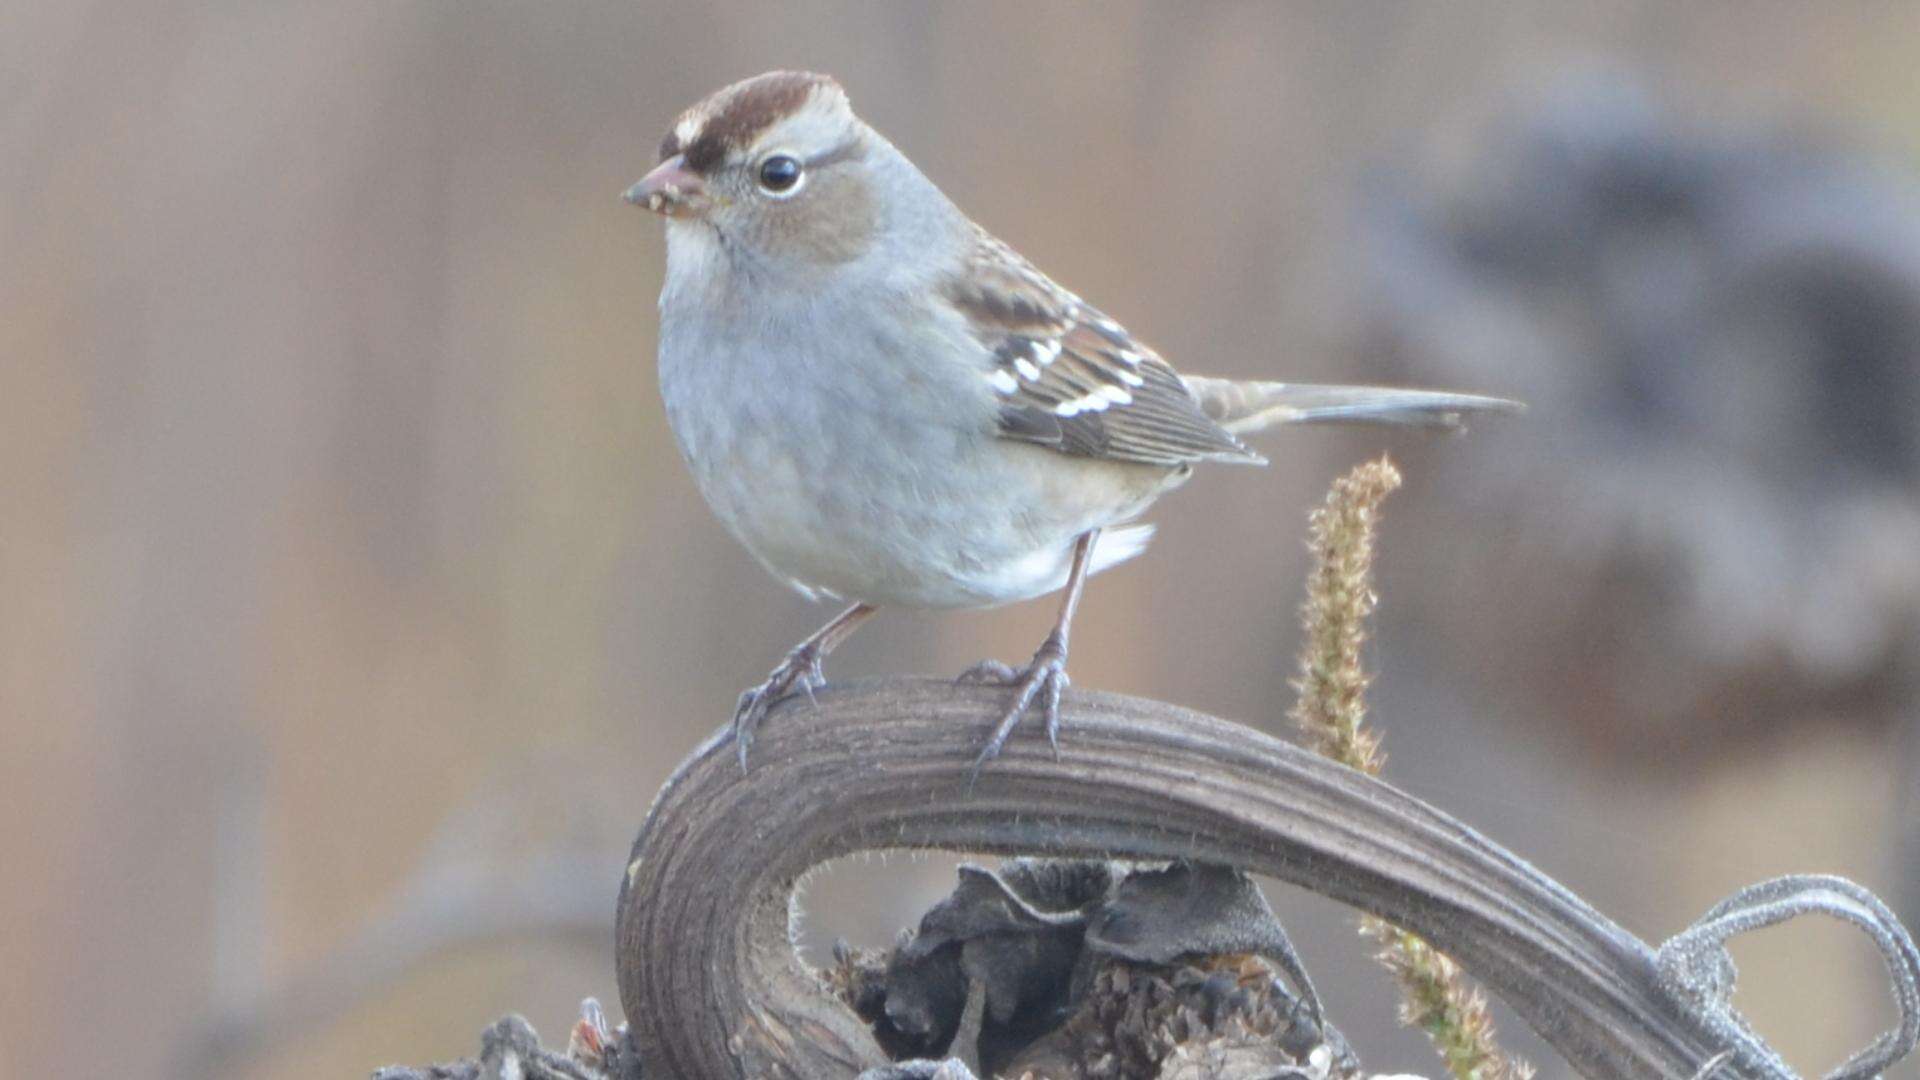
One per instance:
(1331, 713)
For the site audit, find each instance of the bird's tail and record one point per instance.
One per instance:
(1245, 407)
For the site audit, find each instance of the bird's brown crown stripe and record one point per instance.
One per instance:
(734, 117)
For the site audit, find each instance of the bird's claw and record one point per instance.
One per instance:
(801, 671)
(1043, 679)
(991, 672)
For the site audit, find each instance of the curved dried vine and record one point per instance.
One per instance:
(711, 985)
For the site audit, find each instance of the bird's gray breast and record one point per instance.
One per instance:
(847, 446)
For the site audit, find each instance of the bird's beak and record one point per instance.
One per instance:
(671, 189)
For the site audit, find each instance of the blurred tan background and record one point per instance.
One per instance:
(347, 568)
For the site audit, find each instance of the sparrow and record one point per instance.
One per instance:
(886, 405)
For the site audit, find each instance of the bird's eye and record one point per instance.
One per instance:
(780, 175)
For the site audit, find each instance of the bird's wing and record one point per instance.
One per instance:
(1071, 379)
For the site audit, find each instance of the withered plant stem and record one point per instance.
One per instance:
(1331, 713)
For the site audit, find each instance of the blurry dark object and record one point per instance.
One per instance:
(1710, 525)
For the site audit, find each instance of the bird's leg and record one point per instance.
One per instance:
(1046, 676)
(799, 671)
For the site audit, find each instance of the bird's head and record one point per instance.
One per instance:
(778, 170)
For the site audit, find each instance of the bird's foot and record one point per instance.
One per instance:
(990, 672)
(800, 671)
(1044, 679)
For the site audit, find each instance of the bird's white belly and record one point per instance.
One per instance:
(993, 524)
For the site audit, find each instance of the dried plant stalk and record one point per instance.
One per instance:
(1331, 713)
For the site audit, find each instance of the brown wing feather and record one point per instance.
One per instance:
(1074, 380)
